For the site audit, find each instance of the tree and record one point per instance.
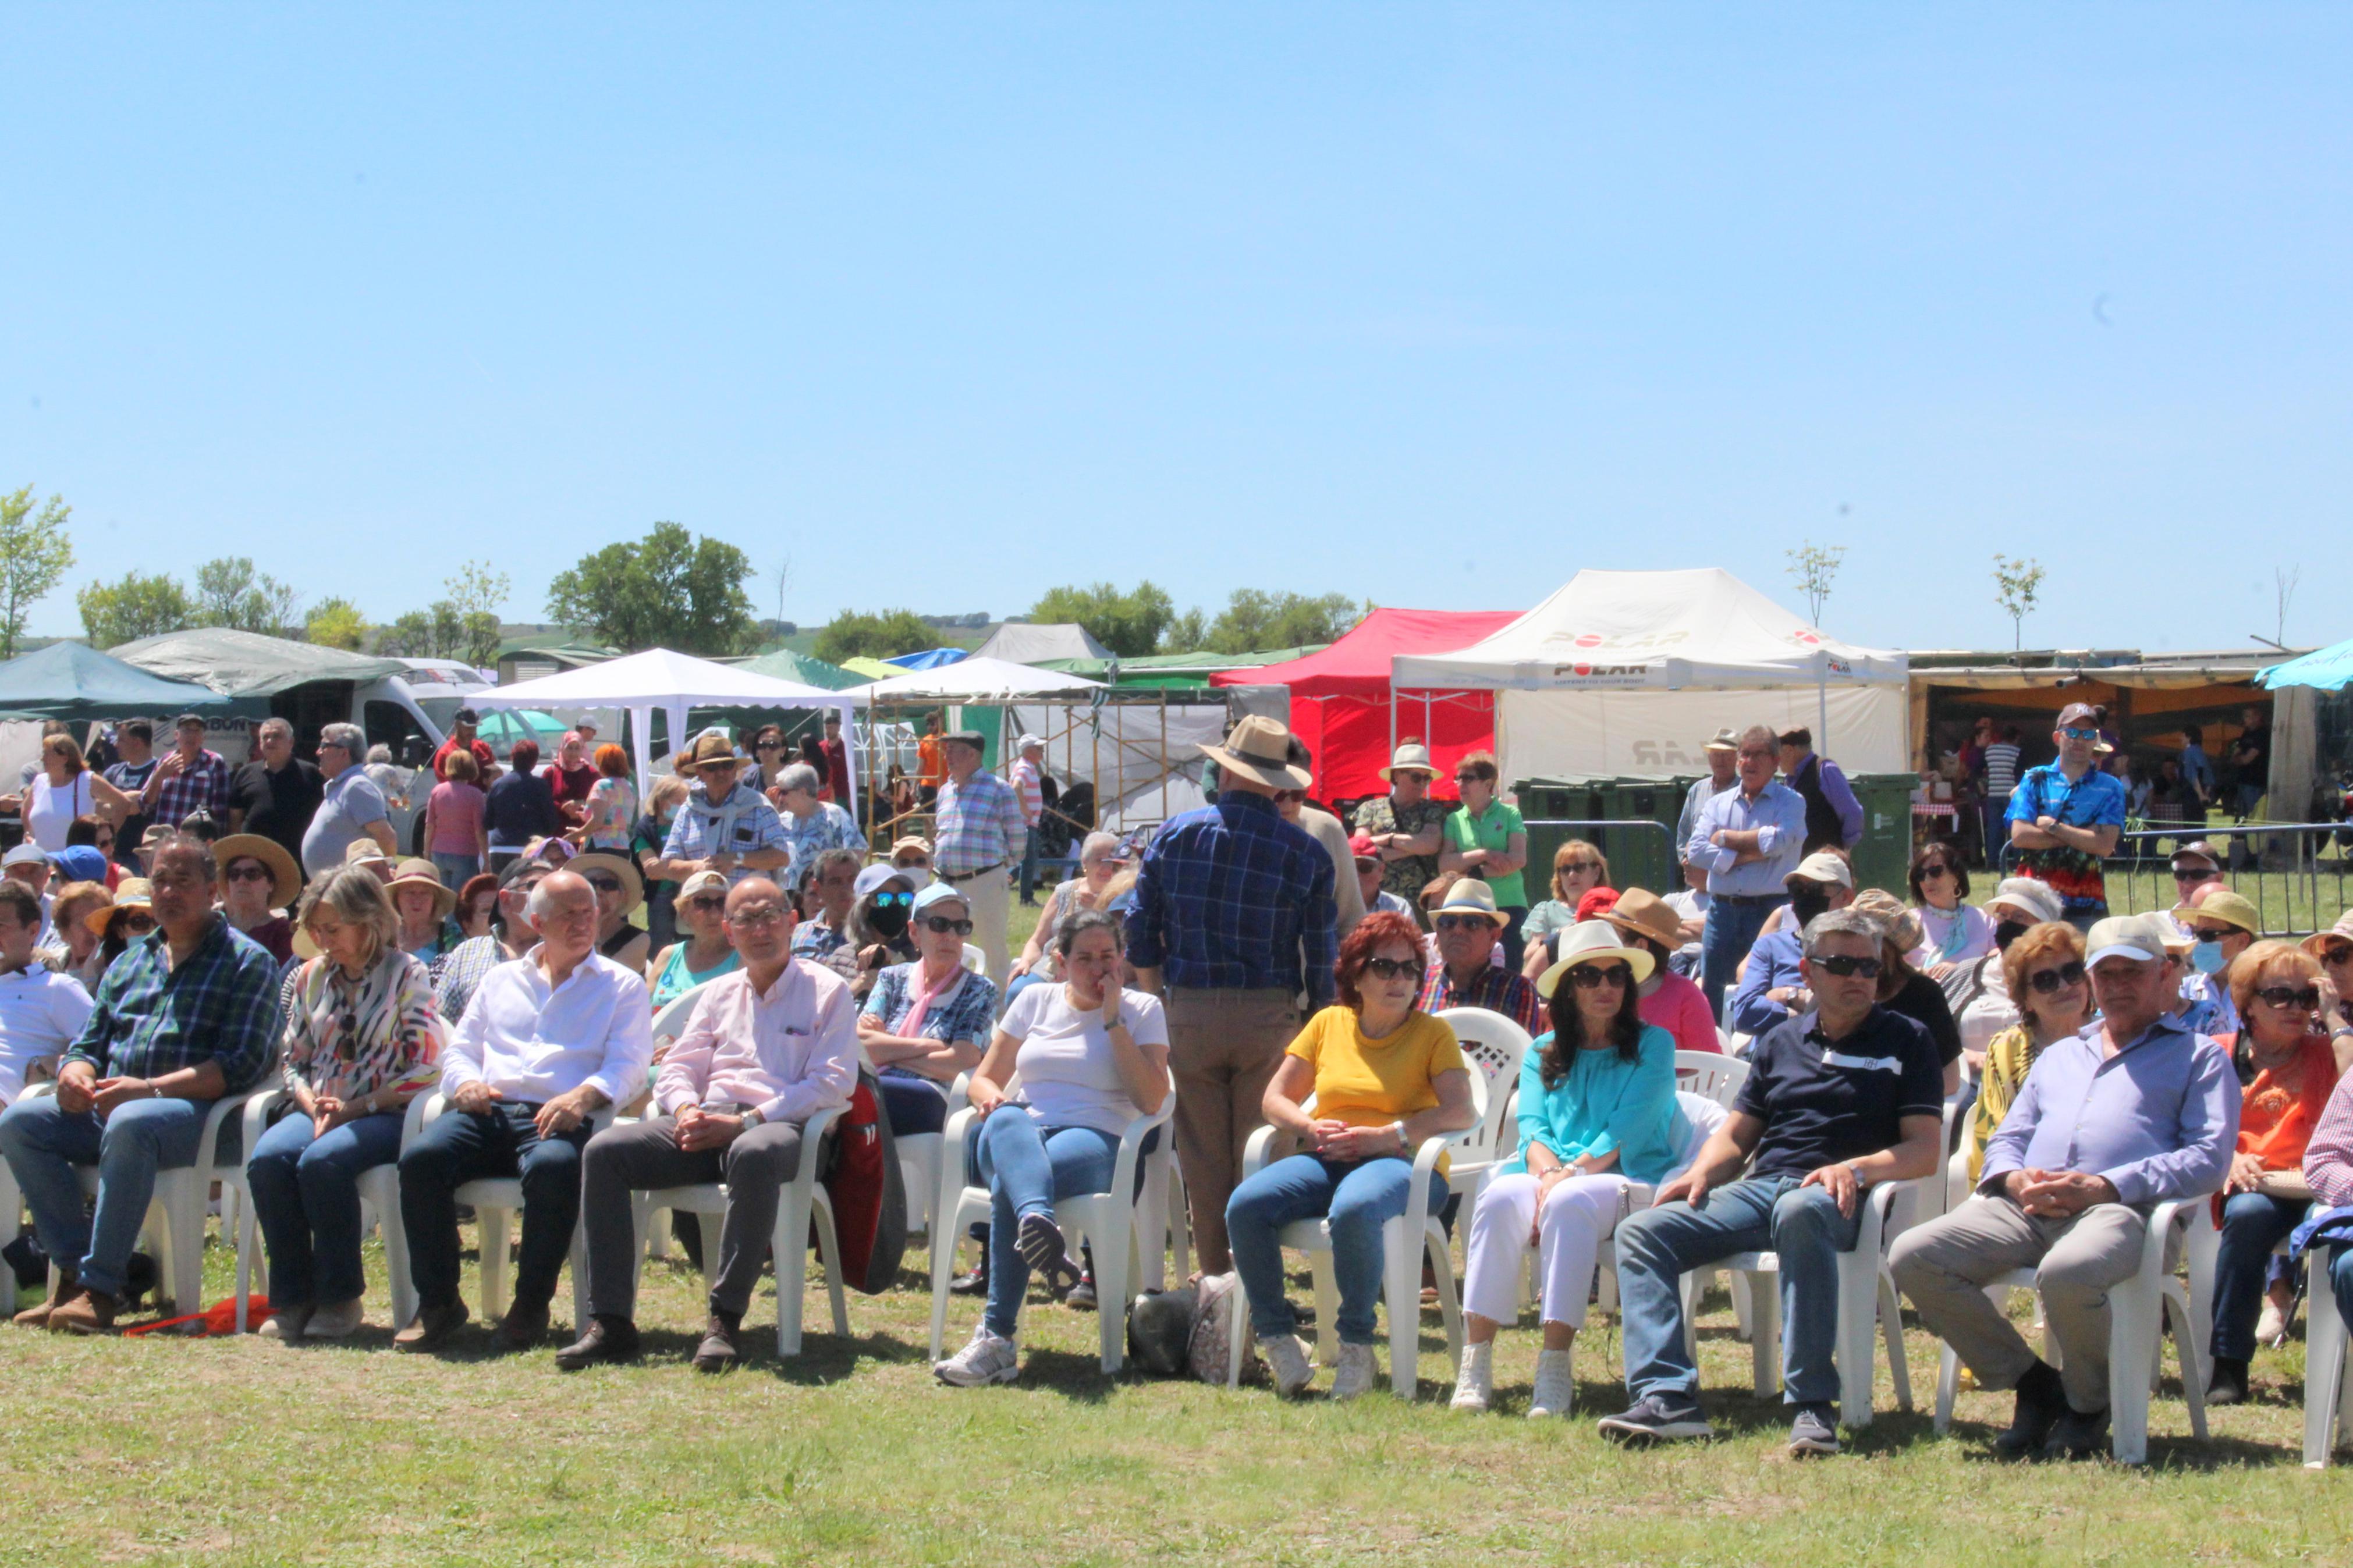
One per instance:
(474, 595)
(2016, 585)
(1814, 567)
(671, 589)
(34, 555)
(337, 623)
(877, 634)
(231, 593)
(1128, 624)
(1254, 620)
(139, 606)
(1188, 633)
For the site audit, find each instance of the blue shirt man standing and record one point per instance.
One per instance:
(1748, 840)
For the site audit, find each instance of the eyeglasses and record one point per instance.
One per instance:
(2081, 734)
(707, 901)
(942, 925)
(2052, 980)
(604, 882)
(1390, 968)
(1935, 869)
(1592, 977)
(756, 916)
(1463, 923)
(893, 901)
(1846, 968)
(2195, 874)
(249, 871)
(2306, 1000)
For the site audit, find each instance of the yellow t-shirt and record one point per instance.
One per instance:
(1371, 1083)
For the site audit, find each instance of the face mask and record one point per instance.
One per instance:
(2207, 958)
(2009, 931)
(890, 924)
(1805, 906)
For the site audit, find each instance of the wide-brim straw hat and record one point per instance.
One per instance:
(2317, 942)
(2231, 908)
(1644, 914)
(1588, 940)
(131, 893)
(1469, 896)
(1410, 758)
(422, 874)
(285, 877)
(1259, 747)
(633, 884)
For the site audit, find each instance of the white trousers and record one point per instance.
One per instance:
(1579, 1212)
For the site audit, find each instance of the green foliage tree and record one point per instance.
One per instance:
(231, 593)
(670, 589)
(1254, 620)
(1814, 567)
(475, 595)
(2016, 586)
(141, 605)
(1187, 633)
(874, 633)
(1130, 624)
(35, 552)
(337, 623)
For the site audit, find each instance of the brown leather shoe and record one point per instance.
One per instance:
(523, 1326)
(718, 1351)
(90, 1312)
(62, 1289)
(431, 1327)
(608, 1339)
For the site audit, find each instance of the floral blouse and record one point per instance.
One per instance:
(612, 807)
(347, 1038)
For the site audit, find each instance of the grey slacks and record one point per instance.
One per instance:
(645, 1155)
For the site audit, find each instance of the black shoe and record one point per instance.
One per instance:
(2229, 1384)
(1082, 1297)
(1813, 1432)
(431, 1327)
(608, 1339)
(523, 1327)
(2042, 1401)
(2078, 1436)
(718, 1351)
(972, 1284)
(1651, 1419)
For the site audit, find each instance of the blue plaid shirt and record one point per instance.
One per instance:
(1232, 898)
(827, 827)
(205, 782)
(979, 825)
(153, 1018)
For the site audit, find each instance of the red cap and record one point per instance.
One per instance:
(1596, 902)
(1360, 845)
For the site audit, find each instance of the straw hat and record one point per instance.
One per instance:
(1410, 758)
(1588, 940)
(285, 877)
(131, 893)
(364, 851)
(1726, 741)
(2317, 942)
(1900, 925)
(1469, 896)
(708, 748)
(1644, 914)
(1259, 747)
(422, 874)
(633, 885)
(2231, 908)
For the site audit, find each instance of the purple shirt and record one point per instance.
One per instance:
(2159, 1118)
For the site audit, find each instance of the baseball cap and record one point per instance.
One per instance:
(940, 893)
(2077, 713)
(701, 881)
(466, 716)
(25, 854)
(80, 863)
(1360, 845)
(2140, 938)
(2197, 848)
(873, 876)
(1823, 866)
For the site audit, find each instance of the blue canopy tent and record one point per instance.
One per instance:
(930, 658)
(2325, 670)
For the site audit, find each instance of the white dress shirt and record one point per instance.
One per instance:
(533, 1043)
(41, 1013)
(789, 1054)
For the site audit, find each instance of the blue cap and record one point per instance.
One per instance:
(80, 863)
(940, 893)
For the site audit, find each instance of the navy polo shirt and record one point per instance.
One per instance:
(1824, 1103)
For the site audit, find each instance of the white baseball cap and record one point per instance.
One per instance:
(1823, 866)
(2141, 938)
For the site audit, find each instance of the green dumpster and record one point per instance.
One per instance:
(1640, 857)
(1884, 856)
(1542, 801)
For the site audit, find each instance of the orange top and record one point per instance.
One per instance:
(2275, 1122)
(932, 765)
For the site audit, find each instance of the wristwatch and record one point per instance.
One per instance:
(1398, 1128)
(1861, 1182)
(753, 1118)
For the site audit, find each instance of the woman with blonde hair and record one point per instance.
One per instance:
(77, 952)
(1577, 867)
(2043, 971)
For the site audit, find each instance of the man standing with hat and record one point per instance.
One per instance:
(724, 826)
(1233, 919)
(1749, 839)
(2065, 818)
(1030, 784)
(980, 836)
(1723, 772)
(191, 776)
(1466, 975)
(462, 737)
(1408, 828)
(1773, 989)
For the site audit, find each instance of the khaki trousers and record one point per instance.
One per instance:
(1223, 1048)
(985, 896)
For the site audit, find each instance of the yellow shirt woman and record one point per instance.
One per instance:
(1371, 1083)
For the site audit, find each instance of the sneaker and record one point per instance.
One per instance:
(286, 1324)
(1556, 1388)
(975, 1283)
(2078, 1435)
(1474, 1385)
(718, 1351)
(608, 1341)
(2042, 1401)
(90, 1312)
(1081, 1298)
(1651, 1419)
(1039, 1240)
(985, 1360)
(1355, 1373)
(336, 1320)
(1288, 1358)
(431, 1327)
(2271, 1329)
(2229, 1384)
(62, 1291)
(1813, 1433)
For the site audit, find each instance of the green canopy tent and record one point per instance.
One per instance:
(806, 668)
(71, 680)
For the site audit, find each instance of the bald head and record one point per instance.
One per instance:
(563, 910)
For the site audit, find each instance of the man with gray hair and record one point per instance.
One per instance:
(350, 808)
(276, 795)
(1842, 1097)
(1748, 840)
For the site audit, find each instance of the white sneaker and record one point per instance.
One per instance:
(337, 1320)
(1556, 1388)
(1474, 1385)
(2271, 1329)
(987, 1359)
(286, 1325)
(1288, 1357)
(1355, 1373)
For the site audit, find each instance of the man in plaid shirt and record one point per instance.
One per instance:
(186, 1016)
(1466, 975)
(192, 777)
(980, 838)
(1233, 919)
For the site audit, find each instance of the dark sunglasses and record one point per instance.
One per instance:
(942, 925)
(707, 901)
(1592, 977)
(605, 882)
(1847, 968)
(893, 901)
(249, 871)
(2339, 953)
(1568, 866)
(1463, 923)
(769, 746)
(2195, 874)
(2305, 1000)
(1471, 778)
(135, 923)
(1933, 869)
(2050, 982)
(1390, 968)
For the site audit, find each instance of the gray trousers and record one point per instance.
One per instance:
(1944, 1267)
(645, 1155)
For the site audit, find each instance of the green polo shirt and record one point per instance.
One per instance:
(1492, 830)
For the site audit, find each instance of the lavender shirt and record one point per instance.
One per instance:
(2159, 1118)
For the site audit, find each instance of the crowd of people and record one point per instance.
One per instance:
(1256, 961)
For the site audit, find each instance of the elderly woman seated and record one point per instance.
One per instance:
(1599, 1127)
(1092, 1058)
(1384, 1075)
(924, 1022)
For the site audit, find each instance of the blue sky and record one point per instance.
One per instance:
(1430, 306)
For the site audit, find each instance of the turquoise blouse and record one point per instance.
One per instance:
(1605, 1102)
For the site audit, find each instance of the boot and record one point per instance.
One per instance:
(718, 1351)
(608, 1339)
(1474, 1385)
(2042, 1401)
(2230, 1382)
(90, 1312)
(62, 1289)
(1556, 1388)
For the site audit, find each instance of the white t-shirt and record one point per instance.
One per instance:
(1069, 1077)
(41, 1013)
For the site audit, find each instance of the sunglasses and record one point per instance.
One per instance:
(248, 871)
(1390, 968)
(1568, 868)
(1592, 977)
(1463, 923)
(2050, 982)
(2195, 874)
(1847, 968)
(707, 901)
(893, 901)
(2306, 1000)
(1933, 869)
(769, 746)
(136, 924)
(2340, 953)
(2081, 734)
(1471, 778)
(605, 883)
(942, 925)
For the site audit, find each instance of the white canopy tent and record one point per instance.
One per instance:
(975, 679)
(1629, 673)
(1029, 642)
(672, 682)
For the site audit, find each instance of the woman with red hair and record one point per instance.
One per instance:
(612, 805)
(1383, 1076)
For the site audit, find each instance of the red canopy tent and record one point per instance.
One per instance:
(1340, 697)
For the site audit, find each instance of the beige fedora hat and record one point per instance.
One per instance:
(1259, 747)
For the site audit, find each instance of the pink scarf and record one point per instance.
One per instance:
(911, 1027)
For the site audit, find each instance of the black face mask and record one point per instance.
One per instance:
(889, 923)
(1805, 905)
(2007, 931)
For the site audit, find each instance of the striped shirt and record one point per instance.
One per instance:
(154, 1018)
(980, 826)
(1233, 898)
(1032, 791)
(2329, 1153)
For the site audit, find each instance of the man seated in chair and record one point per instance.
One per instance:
(765, 1048)
(1838, 1100)
(549, 1040)
(186, 1016)
(2135, 1109)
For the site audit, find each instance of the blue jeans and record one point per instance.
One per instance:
(455, 869)
(1029, 866)
(306, 1198)
(1730, 932)
(2253, 1224)
(1027, 1166)
(42, 1145)
(1657, 1246)
(1354, 1201)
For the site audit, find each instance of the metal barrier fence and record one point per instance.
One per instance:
(2280, 866)
(1642, 852)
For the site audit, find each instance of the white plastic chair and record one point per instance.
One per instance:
(1124, 1226)
(497, 1202)
(1717, 1077)
(2139, 1310)
(1495, 1045)
(803, 1199)
(1401, 1275)
(379, 1188)
(669, 1023)
(2328, 1392)
(12, 1224)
